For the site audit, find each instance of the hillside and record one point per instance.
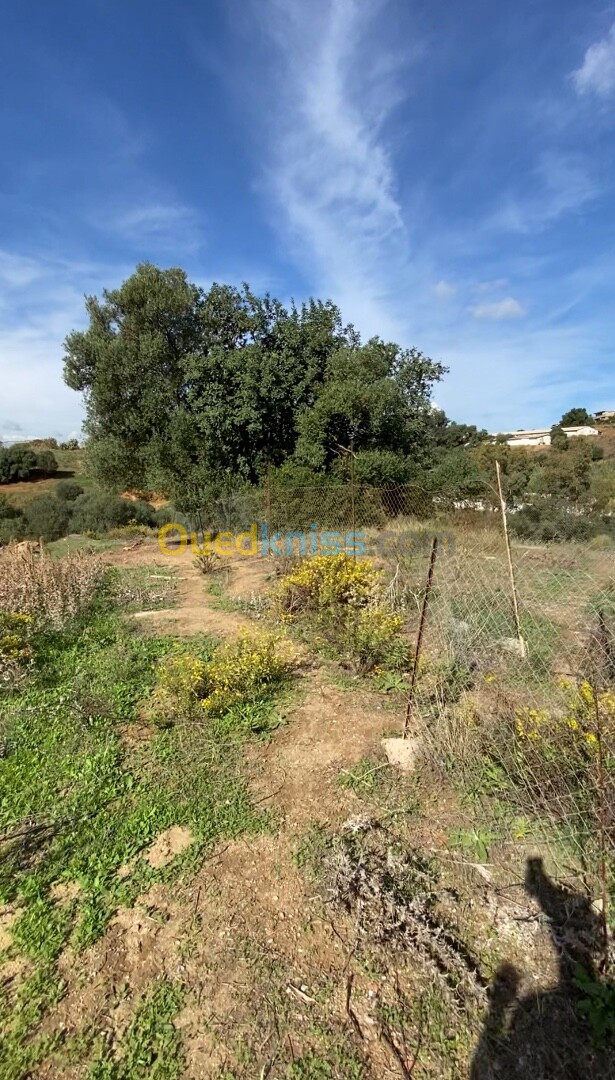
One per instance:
(71, 466)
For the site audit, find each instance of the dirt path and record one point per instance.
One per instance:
(242, 936)
(197, 610)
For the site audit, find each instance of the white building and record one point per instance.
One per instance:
(542, 436)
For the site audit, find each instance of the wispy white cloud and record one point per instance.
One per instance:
(496, 285)
(560, 184)
(332, 172)
(597, 72)
(161, 225)
(509, 308)
(41, 300)
(445, 290)
(363, 227)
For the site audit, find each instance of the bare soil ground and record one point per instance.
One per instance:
(197, 610)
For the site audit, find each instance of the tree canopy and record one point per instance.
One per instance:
(575, 418)
(21, 462)
(187, 390)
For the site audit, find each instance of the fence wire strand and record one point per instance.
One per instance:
(514, 701)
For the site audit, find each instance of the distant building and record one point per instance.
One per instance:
(604, 414)
(542, 436)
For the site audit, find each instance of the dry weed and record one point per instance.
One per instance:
(50, 591)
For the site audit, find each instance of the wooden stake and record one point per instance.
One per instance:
(268, 497)
(419, 637)
(511, 571)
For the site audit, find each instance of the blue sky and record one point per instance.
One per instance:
(443, 171)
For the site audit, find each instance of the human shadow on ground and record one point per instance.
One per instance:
(545, 1035)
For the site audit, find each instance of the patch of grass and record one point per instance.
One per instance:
(222, 602)
(78, 542)
(312, 848)
(142, 588)
(339, 1064)
(152, 1047)
(366, 778)
(20, 1014)
(489, 616)
(473, 842)
(78, 801)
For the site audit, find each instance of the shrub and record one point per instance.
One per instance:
(128, 531)
(547, 523)
(7, 510)
(51, 591)
(179, 680)
(46, 463)
(240, 672)
(343, 596)
(97, 512)
(243, 671)
(559, 438)
(47, 517)
(207, 563)
(16, 463)
(326, 581)
(379, 468)
(164, 516)
(377, 640)
(553, 752)
(11, 529)
(15, 648)
(143, 513)
(11, 522)
(68, 490)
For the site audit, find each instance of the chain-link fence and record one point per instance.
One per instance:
(513, 697)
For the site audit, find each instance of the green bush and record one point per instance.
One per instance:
(544, 524)
(377, 467)
(98, 512)
(46, 463)
(68, 490)
(7, 510)
(11, 529)
(46, 517)
(559, 438)
(143, 513)
(164, 516)
(16, 463)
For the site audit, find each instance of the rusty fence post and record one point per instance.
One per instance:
(419, 637)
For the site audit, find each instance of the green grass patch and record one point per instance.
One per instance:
(79, 799)
(151, 1048)
(143, 588)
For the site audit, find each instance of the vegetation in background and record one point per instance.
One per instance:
(225, 383)
(73, 510)
(21, 462)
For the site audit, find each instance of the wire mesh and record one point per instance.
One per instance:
(518, 716)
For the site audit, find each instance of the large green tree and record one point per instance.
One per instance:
(576, 418)
(191, 391)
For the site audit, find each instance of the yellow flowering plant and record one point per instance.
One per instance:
(326, 581)
(179, 681)
(247, 669)
(585, 717)
(341, 598)
(377, 639)
(244, 670)
(15, 646)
